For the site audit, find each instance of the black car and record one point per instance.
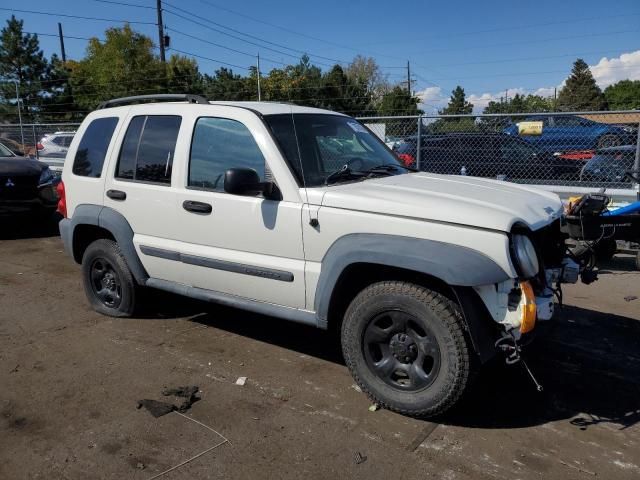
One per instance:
(26, 186)
(492, 155)
(610, 165)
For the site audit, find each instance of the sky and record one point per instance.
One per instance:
(488, 47)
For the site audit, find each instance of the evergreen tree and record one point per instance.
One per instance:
(21, 61)
(580, 92)
(458, 104)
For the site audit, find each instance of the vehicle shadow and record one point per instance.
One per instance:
(589, 365)
(587, 361)
(18, 228)
(619, 264)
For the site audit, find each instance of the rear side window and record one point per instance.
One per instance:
(219, 144)
(148, 149)
(92, 150)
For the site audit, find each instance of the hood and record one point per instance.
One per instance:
(477, 202)
(20, 166)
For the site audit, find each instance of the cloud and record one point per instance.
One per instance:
(432, 99)
(608, 71)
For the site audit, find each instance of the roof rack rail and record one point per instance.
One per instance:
(158, 97)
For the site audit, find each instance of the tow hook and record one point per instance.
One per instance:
(513, 354)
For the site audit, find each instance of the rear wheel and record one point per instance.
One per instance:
(406, 348)
(107, 280)
(608, 140)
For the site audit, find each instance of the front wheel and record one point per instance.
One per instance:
(107, 280)
(608, 140)
(406, 348)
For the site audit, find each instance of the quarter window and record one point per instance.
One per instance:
(217, 145)
(92, 150)
(148, 149)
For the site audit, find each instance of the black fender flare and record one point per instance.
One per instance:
(112, 221)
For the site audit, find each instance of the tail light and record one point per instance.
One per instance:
(40, 146)
(407, 159)
(62, 199)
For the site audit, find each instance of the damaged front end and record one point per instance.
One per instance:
(543, 264)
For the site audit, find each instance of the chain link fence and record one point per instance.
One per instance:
(47, 142)
(583, 149)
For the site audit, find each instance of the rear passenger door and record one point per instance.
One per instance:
(139, 184)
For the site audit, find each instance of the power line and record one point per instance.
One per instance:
(55, 35)
(299, 52)
(125, 4)
(54, 14)
(223, 46)
(209, 59)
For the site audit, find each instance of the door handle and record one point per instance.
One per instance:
(116, 194)
(197, 207)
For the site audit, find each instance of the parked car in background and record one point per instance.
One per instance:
(16, 147)
(564, 133)
(609, 165)
(55, 144)
(490, 155)
(27, 186)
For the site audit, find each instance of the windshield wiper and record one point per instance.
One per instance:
(392, 166)
(343, 172)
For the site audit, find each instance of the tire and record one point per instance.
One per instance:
(107, 280)
(609, 140)
(406, 348)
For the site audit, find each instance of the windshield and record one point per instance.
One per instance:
(316, 146)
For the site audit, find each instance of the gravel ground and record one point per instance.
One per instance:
(71, 380)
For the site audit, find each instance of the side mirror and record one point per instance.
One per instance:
(245, 181)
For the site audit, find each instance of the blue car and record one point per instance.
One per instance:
(564, 133)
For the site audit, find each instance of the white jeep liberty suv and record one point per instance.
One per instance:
(305, 214)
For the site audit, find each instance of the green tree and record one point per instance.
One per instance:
(183, 75)
(123, 65)
(225, 85)
(399, 102)
(341, 94)
(458, 104)
(364, 71)
(624, 95)
(580, 92)
(22, 61)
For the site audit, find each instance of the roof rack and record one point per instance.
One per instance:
(158, 97)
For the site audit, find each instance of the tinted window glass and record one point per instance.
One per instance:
(58, 141)
(148, 149)
(219, 144)
(568, 122)
(93, 147)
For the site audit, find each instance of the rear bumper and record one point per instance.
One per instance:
(43, 200)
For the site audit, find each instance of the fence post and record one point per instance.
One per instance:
(35, 140)
(419, 142)
(636, 164)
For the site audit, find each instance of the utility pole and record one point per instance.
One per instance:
(408, 78)
(555, 98)
(258, 72)
(20, 116)
(64, 55)
(160, 30)
(506, 96)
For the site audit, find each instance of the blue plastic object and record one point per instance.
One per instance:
(629, 209)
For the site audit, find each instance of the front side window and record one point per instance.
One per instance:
(316, 146)
(219, 144)
(92, 150)
(148, 148)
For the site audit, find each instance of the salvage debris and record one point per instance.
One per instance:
(241, 381)
(629, 298)
(374, 407)
(158, 409)
(359, 458)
